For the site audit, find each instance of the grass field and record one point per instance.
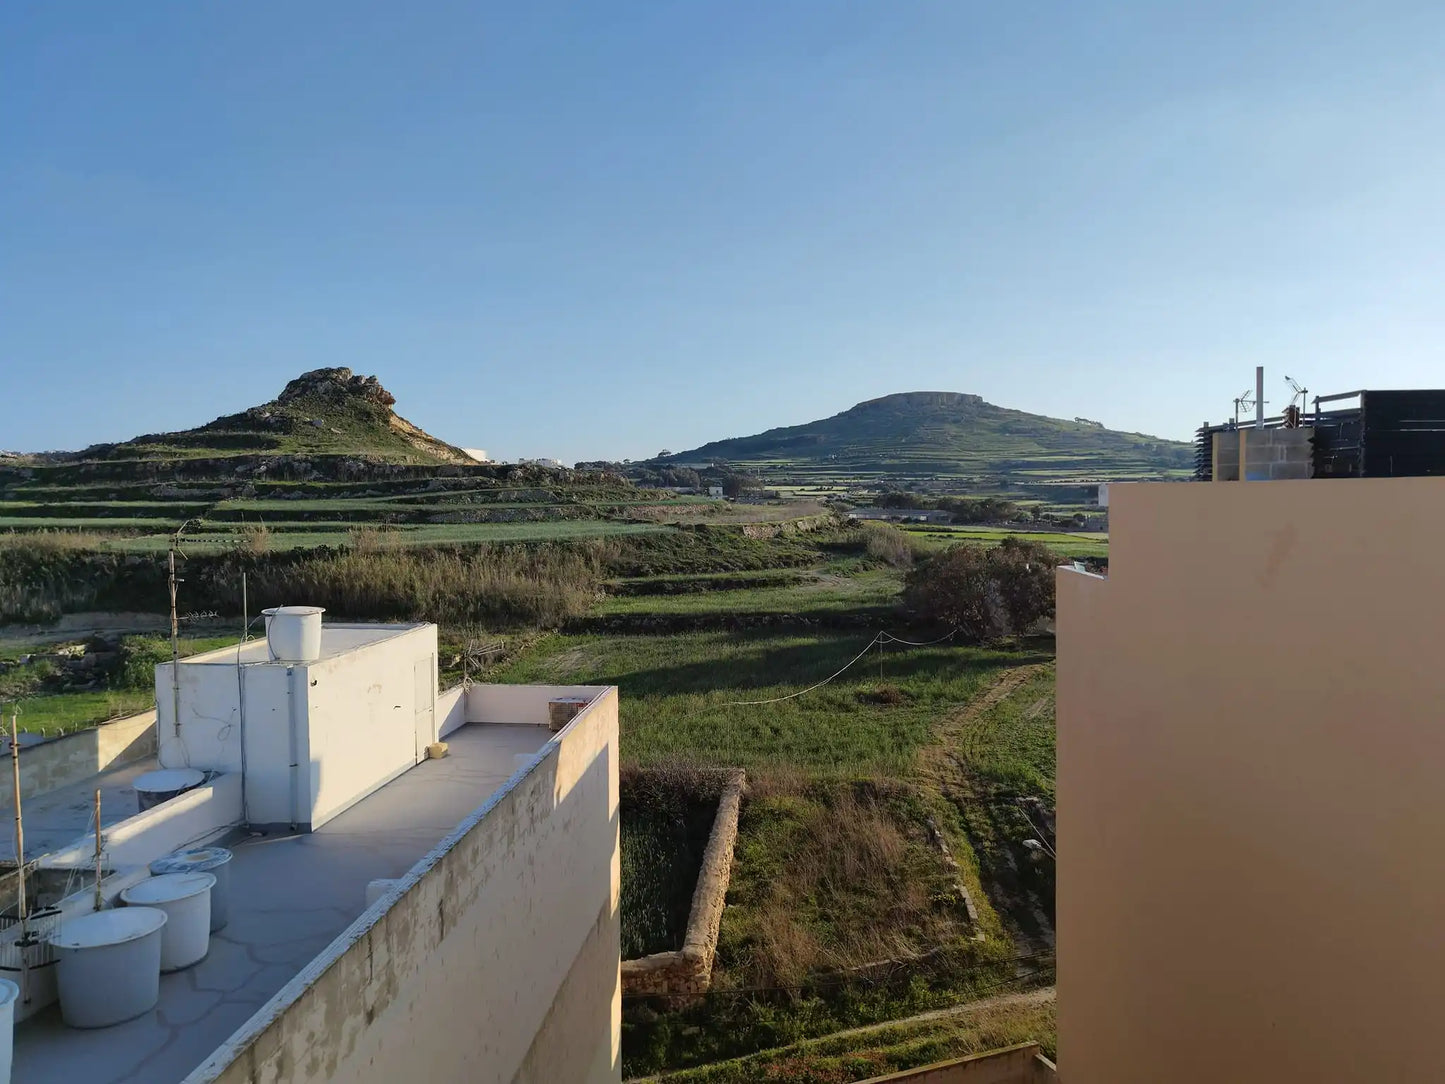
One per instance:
(887, 1049)
(406, 535)
(677, 694)
(1065, 544)
(817, 593)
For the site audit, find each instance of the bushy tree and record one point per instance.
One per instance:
(985, 594)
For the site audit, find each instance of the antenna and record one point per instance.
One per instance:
(171, 582)
(1244, 401)
(1294, 414)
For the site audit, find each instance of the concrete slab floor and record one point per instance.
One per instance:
(290, 897)
(59, 817)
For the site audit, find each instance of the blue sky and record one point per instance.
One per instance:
(600, 229)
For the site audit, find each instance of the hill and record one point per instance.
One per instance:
(952, 434)
(323, 412)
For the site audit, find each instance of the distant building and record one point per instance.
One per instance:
(479, 454)
(1358, 434)
(714, 491)
(902, 515)
(555, 464)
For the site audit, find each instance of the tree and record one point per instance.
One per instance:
(985, 594)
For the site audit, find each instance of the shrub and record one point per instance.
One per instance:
(888, 544)
(985, 593)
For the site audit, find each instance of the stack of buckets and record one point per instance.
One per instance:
(109, 963)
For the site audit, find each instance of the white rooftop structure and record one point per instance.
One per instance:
(495, 956)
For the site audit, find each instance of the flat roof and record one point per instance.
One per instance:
(336, 639)
(290, 897)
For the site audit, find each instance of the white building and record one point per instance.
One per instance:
(494, 954)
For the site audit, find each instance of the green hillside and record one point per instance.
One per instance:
(950, 434)
(323, 412)
(328, 462)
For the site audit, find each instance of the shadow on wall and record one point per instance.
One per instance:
(498, 963)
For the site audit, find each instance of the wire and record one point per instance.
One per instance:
(877, 641)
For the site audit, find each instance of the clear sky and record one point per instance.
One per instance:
(602, 228)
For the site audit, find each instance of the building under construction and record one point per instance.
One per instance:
(1357, 434)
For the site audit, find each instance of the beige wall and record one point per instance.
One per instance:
(498, 963)
(1250, 811)
(58, 763)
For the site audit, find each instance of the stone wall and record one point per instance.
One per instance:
(687, 973)
(1022, 1064)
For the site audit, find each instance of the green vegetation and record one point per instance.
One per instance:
(888, 1048)
(942, 433)
(666, 818)
(1065, 545)
(65, 687)
(677, 691)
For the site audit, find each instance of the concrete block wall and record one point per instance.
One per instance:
(62, 761)
(1269, 454)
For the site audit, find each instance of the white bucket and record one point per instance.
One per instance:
(186, 900)
(8, 993)
(108, 965)
(293, 633)
(153, 788)
(213, 860)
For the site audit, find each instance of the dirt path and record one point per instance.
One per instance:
(1003, 872)
(1042, 996)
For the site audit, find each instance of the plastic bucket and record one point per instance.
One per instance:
(213, 860)
(108, 965)
(8, 993)
(153, 788)
(186, 900)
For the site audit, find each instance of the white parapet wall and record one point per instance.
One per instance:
(496, 960)
(68, 759)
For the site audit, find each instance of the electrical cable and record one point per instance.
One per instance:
(878, 640)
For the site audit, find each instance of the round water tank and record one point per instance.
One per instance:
(293, 633)
(213, 860)
(186, 900)
(153, 788)
(108, 965)
(9, 992)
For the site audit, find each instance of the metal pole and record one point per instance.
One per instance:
(22, 906)
(175, 647)
(99, 900)
(245, 610)
(1259, 396)
(19, 824)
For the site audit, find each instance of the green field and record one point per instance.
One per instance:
(1065, 544)
(817, 594)
(677, 691)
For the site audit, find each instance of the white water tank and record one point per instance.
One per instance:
(293, 633)
(8, 993)
(153, 788)
(108, 965)
(186, 900)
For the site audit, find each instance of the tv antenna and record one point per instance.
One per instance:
(1294, 414)
(1244, 402)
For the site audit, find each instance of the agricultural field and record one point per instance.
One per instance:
(1066, 544)
(733, 648)
(834, 871)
